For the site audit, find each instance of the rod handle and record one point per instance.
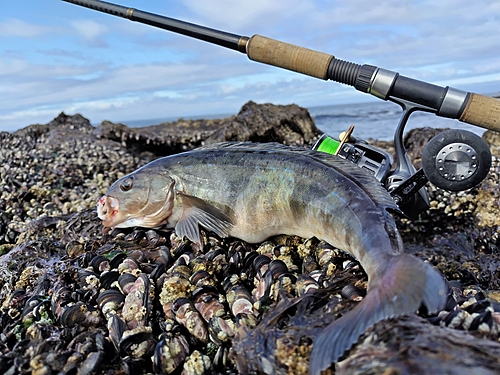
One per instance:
(483, 111)
(289, 56)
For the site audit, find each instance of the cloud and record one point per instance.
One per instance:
(13, 27)
(90, 31)
(239, 15)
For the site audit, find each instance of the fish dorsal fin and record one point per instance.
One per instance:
(367, 182)
(198, 212)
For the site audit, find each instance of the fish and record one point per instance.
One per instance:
(253, 191)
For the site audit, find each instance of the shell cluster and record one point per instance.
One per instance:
(55, 170)
(471, 309)
(158, 304)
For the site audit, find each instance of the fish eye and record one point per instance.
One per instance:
(127, 184)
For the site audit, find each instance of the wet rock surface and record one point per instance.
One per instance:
(74, 300)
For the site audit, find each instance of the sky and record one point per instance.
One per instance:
(58, 57)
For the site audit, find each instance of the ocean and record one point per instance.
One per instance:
(372, 120)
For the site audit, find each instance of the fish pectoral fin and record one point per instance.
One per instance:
(198, 212)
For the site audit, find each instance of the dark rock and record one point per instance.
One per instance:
(62, 128)
(411, 346)
(289, 124)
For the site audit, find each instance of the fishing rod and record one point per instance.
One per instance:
(456, 160)
(446, 101)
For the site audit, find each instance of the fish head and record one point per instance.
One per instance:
(143, 198)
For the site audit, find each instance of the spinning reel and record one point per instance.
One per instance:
(454, 160)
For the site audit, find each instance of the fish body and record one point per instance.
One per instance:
(254, 191)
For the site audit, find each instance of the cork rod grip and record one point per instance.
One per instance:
(289, 56)
(483, 111)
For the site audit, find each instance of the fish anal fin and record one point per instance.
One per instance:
(407, 284)
(198, 212)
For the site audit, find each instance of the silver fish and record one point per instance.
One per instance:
(254, 191)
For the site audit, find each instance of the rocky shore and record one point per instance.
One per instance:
(74, 300)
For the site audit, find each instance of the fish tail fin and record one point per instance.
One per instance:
(406, 283)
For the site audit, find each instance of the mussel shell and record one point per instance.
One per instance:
(260, 264)
(318, 275)
(183, 247)
(186, 314)
(74, 315)
(130, 265)
(208, 304)
(154, 238)
(263, 289)
(484, 317)
(324, 256)
(32, 308)
(200, 278)
(126, 281)
(184, 259)
(60, 298)
(221, 330)
(178, 303)
(309, 264)
(221, 359)
(116, 327)
(135, 235)
(249, 259)
(305, 284)
(137, 305)
(83, 274)
(91, 363)
(110, 296)
(240, 300)
(107, 278)
(137, 342)
(454, 318)
(352, 293)
(286, 282)
(451, 303)
(215, 254)
(350, 265)
(230, 281)
(181, 270)
(203, 290)
(165, 257)
(74, 249)
(157, 272)
(99, 263)
(478, 306)
(116, 259)
(169, 354)
(277, 268)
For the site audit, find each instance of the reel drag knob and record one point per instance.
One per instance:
(456, 160)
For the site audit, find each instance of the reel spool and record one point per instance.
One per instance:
(456, 160)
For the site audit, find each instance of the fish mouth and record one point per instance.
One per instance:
(107, 210)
